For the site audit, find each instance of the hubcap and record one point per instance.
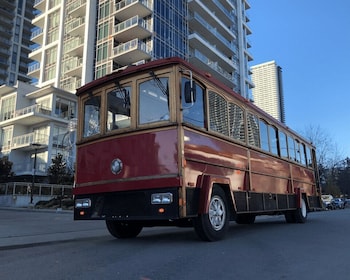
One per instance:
(217, 213)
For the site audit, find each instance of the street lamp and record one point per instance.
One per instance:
(36, 145)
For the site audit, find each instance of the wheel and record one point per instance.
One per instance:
(301, 213)
(297, 216)
(245, 219)
(212, 226)
(123, 229)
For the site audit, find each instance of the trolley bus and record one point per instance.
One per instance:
(164, 144)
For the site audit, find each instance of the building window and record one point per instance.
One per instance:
(64, 108)
(6, 138)
(103, 31)
(102, 51)
(103, 10)
(8, 107)
(51, 56)
(54, 20)
(101, 71)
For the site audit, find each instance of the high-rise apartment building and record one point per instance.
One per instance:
(15, 33)
(77, 41)
(268, 90)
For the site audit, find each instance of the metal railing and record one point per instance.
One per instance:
(25, 189)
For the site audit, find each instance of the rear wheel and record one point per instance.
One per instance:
(299, 215)
(213, 225)
(123, 229)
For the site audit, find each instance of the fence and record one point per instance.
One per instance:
(19, 193)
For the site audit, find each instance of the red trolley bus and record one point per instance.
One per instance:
(165, 144)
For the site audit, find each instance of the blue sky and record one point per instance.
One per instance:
(310, 40)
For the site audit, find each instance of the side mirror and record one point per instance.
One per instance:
(190, 92)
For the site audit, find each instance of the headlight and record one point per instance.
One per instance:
(162, 198)
(83, 203)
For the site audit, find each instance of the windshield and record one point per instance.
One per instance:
(153, 101)
(92, 116)
(118, 104)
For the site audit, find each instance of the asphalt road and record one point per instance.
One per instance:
(50, 245)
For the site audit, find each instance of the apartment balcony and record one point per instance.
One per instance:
(75, 27)
(40, 5)
(34, 70)
(224, 13)
(36, 54)
(131, 52)
(8, 10)
(8, 4)
(248, 54)
(31, 115)
(74, 46)
(5, 43)
(39, 21)
(128, 8)
(37, 36)
(73, 66)
(76, 8)
(70, 84)
(211, 51)
(5, 31)
(213, 34)
(210, 66)
(25, 141)
(213, 11)
(3, 73)
(247, 28)
(6, 24)
(134, 27)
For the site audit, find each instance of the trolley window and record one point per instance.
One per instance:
(92, 108)
(154, 94)
(118, 104)
(193, 113)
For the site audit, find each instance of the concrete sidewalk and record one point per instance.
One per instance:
(24, 227)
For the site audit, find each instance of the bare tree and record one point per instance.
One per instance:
(327, 150)
(329, 158)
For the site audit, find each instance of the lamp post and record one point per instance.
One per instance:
(36, 145)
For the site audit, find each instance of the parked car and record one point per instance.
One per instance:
(338, 203)
(327, 201)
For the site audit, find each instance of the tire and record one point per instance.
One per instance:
(213, 226)
(245, 219)
(123, 229)
(299, 215)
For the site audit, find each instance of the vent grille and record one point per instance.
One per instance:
(218, 113)
(236, 122)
